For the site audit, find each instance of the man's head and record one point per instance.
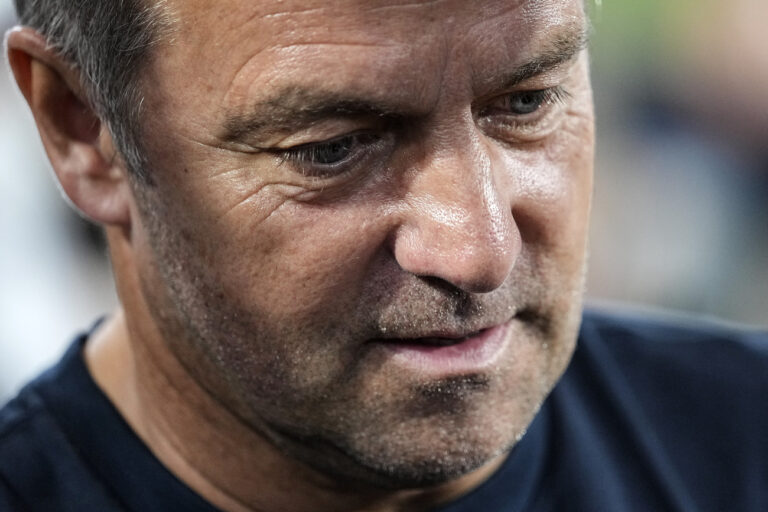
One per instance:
(338, 191)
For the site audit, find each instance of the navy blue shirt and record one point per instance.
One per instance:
(651, 415)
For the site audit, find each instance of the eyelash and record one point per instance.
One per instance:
(305, 157)
(544, 97)
(529, 123)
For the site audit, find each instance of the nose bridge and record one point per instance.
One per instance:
(459, 226)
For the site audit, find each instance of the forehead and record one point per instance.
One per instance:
(388, 18)
(238, 50)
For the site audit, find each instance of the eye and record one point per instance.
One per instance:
(524, 103)
(326, 153)
(524, 115)
(329, 157)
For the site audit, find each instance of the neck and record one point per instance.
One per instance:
(207, 447)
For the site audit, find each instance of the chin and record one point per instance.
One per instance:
(392, 471)
(431, 472)
(415, 453)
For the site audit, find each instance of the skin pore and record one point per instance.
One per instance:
(331, 179)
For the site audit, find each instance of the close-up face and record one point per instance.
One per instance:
(366, 227)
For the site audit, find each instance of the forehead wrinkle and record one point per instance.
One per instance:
(257, 10)
(298, 44)
(289, 94)
(281, 14)
(433, 4)
(405, 5)
(312, 35)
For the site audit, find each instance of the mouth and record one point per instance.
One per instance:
(436, 339)
(448, 353)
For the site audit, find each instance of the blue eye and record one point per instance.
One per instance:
(330, 157)
(524, 115)
(327, 153)
(526, 102)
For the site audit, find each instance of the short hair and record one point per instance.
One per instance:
(108, 42)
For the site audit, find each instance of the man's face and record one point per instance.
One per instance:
(367, 227)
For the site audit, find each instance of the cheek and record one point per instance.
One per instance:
(252, 239)
(552, 187)
(293, 259)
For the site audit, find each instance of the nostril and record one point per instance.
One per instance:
(475, 257)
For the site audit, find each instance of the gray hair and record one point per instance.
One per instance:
(108, 42)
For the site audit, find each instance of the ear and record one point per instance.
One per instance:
(78, 144)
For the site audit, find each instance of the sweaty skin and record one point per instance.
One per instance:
(262, 287)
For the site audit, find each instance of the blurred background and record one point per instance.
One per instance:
(680, 216)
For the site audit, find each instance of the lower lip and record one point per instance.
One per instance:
(474, 354)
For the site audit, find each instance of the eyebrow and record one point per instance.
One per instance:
(562, 49)
(296, 106)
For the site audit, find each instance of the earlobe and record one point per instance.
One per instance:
(78, 144)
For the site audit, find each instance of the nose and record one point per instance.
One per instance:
(458, 224)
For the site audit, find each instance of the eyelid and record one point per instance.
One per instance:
(549, 96)
(318, 133)
(509, 127)
(556, 94)
(296, 155)
(308, 146)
